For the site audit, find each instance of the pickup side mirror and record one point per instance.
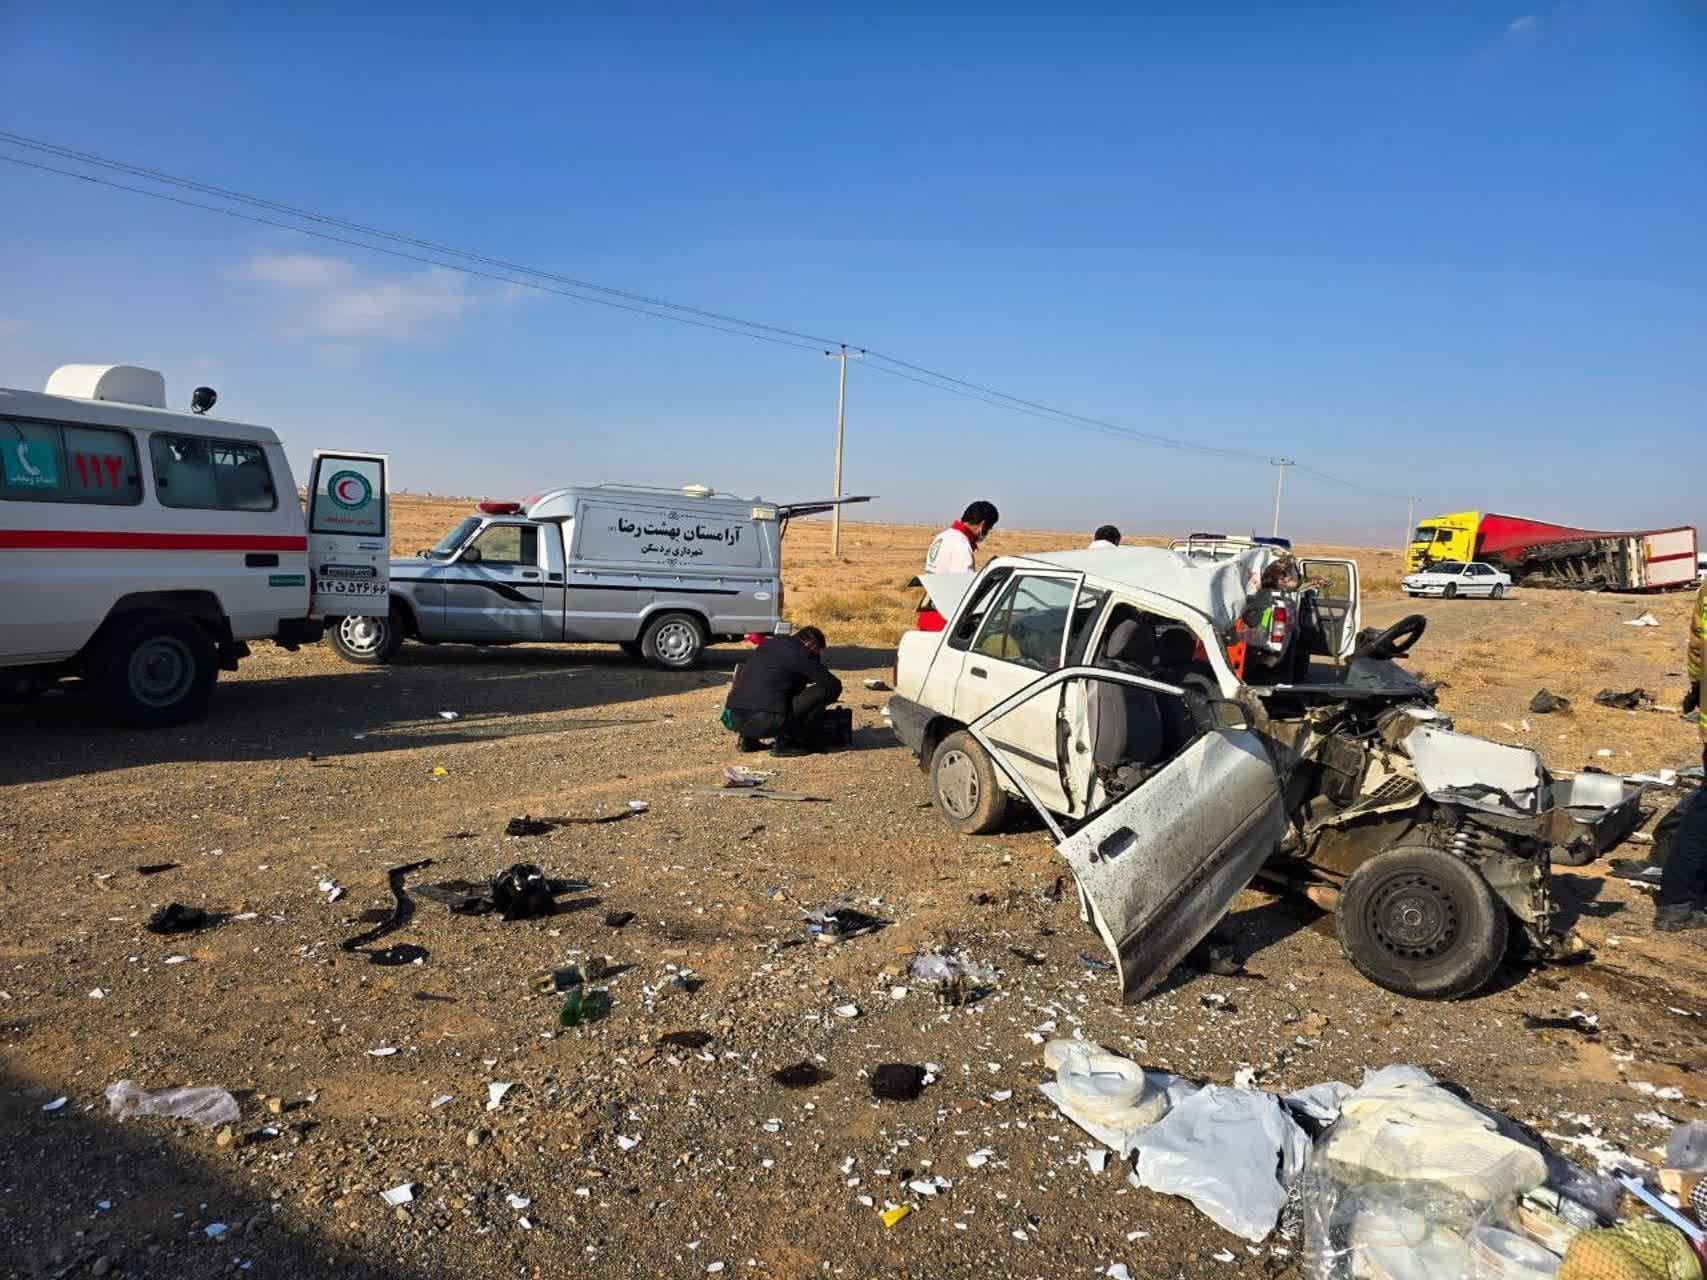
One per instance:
(471, 555)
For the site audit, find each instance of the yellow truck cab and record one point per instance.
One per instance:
(1439, 538)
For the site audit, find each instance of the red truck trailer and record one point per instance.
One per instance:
(1538, 554)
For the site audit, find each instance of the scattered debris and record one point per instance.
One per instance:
(618, 919)
(626, 1143)
(979, 1158)
(761, 793)
(893, 1215)
(839, 923)
(216, 1230)
(530, 826)
(175, 917)
(955, 979)
(1625, 700)
(801, 1075)
(402, 1193)
(155, 868)
(1028, 957)
(206, 1106)
(55, 1105)
(521, 892)
(684, 1039)
(876, 685)
(739, 775)
(1645, 620)
(176, 960)
(385, 1052)
(517, 1202)
(1093, 962)
(1545, 703)
(847, 1011)
(583, 1006)
(897, 1082)
(1577, 1020)
(495, 1093)
(450, 715)
(402, 911)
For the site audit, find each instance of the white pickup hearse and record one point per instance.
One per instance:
(141, 548)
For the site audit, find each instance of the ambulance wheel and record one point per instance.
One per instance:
(673, 641)
(1419, 922)
(156, 671)
(368, 640)
(964, 786)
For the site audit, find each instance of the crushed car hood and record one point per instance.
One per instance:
(1460, 769)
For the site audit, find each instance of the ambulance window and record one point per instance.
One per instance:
(43, 463)
(509, 544)
(217, 475)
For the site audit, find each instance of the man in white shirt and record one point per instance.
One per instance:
(954, 550)
(1105, 539)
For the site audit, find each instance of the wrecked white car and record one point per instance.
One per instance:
(1112, 692)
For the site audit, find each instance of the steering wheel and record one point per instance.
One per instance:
(1396, 641)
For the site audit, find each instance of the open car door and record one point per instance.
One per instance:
(1158, 865)
(1339, 604)
(349, 542)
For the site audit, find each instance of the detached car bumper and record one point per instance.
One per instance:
(909, 720)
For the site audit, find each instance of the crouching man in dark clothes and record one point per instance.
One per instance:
(781, 692)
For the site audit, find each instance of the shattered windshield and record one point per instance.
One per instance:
(454, 539)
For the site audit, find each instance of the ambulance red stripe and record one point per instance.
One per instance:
(101, 540)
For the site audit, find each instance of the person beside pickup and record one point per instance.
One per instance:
(781, 693)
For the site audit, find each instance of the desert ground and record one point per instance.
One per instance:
(614, 1154)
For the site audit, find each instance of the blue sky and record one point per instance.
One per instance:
(1454, 249)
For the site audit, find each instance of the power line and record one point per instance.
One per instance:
(506, 272)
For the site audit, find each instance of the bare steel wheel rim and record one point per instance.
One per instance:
(676, 642)
(957, 784)
(161, 671)
(363, 635)
(1413, 917)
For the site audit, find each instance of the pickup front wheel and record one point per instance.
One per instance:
(368, 641)
(1418, 921)
(673, 641)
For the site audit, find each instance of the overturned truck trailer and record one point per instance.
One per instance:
(1537, 554)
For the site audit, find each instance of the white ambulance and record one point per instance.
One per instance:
(141, 548)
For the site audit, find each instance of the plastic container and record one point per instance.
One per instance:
(1497, 1254)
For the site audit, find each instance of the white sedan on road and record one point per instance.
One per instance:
(1452, 578)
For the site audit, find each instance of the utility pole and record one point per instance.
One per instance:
(1279, 465)
(841, 431)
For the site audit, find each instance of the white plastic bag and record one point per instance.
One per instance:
(1231, 1152)
(206, 1106)
(1110, 1097)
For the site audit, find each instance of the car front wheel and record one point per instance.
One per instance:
(368, 640)
(1417, 921)
(964, 786)
(1450, 591)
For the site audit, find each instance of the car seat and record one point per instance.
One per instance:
(1128, 736)
(1176, 652)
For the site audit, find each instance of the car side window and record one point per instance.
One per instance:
(509, 544)
(1029, 622)
(973, 614)
(40, 462)
(1086, 609)
(204, 474)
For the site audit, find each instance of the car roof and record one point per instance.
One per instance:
(1215, 588)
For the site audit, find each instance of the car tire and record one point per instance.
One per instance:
(673, 642)
(964, 786)
(156, 671)
(1419, 922)
(1449, 591)
(367, 640)
(1498, 593)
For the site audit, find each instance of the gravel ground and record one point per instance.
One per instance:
(635, 1158)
